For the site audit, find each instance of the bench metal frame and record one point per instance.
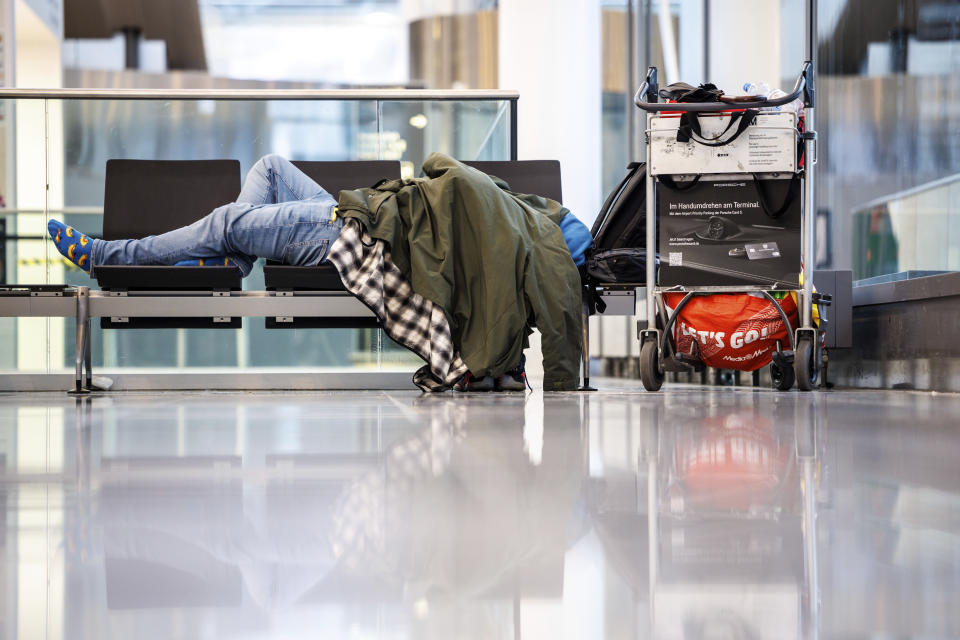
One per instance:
(82, 303)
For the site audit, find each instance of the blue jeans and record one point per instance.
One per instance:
(281, 214)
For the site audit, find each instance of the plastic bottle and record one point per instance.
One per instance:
(756, 89)
(763, 89)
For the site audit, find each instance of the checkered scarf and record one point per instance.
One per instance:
(368, 272)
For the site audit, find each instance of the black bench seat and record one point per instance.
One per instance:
(334, 177)
(149, 197)
(289, 279)
(528, 176)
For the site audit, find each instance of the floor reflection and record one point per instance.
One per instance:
(719, 493)
(692, 514)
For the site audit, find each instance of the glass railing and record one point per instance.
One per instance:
(908, 234)
(54, 145)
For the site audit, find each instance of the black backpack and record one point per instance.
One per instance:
(619, 233)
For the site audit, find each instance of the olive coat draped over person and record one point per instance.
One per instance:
(495, 261)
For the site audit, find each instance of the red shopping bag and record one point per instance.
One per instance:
(731, 330)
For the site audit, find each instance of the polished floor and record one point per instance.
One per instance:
(694, 513)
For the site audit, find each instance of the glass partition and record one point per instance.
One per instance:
(413, 130)
(889, 132)
(56, 149)
(916, 232)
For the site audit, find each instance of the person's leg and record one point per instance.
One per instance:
(295, 233)
(80, 248)
(292, 232)
(275, 179)
(205, 238)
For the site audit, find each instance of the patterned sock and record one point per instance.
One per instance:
(75, 246)
(207, 262)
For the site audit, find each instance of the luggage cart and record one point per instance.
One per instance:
(803, 360)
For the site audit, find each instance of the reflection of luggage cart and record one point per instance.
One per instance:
(666, 161)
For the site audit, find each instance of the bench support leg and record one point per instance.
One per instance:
(82, 341)
(87, 357)
(585, 350)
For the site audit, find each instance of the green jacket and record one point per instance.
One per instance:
(493, 260)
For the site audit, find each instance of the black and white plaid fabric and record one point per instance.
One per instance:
(369, 273)
(372, 513)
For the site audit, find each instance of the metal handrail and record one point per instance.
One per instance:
(644, 100)
(907, 193)
(258, 94)
(69, 210)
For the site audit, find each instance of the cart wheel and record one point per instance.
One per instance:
(650, 373)
(804, 366)
(783, 376)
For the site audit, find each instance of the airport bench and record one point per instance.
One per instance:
(146, 197)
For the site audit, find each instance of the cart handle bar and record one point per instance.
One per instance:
(647, 98)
